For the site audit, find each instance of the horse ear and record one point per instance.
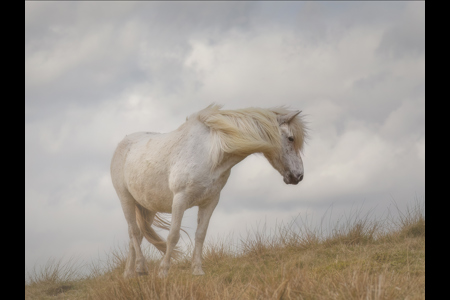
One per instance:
(282, 119)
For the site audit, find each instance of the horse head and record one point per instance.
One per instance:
(287, 159)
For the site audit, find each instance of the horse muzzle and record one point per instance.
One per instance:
(293, 178)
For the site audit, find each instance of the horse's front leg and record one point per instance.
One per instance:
(204, 215)
(179, 205)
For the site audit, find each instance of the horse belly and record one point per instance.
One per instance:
(157, 201)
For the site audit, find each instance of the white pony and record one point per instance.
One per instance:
(188, 167)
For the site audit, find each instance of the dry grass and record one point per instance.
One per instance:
(360, 259)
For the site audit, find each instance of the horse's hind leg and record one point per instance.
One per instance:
(179, 205)
(130, 267)
(135, 261)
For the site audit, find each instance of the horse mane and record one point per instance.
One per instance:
(249, 130)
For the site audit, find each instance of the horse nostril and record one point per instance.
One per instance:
(296, 177)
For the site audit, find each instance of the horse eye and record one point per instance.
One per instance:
(291, 138)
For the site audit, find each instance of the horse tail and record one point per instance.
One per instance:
(144, 221)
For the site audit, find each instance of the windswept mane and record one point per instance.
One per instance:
(249, 130)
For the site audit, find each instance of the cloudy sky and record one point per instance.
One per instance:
(96, 71)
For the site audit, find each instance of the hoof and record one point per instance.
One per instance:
(129, 275)
(141, 270)
(141, 273)
(198, 272)
(162, 274)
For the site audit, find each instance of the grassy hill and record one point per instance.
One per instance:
(361, 258)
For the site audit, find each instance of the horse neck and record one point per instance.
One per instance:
(228, 161)
(197, 128)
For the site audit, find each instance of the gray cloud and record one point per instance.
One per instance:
(407, 36)
(83, 53)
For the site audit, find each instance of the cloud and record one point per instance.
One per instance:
(99, 50)
(407, 36)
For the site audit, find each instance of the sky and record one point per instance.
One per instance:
(97, 71)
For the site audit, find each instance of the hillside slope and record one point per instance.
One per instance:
(361, 259)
